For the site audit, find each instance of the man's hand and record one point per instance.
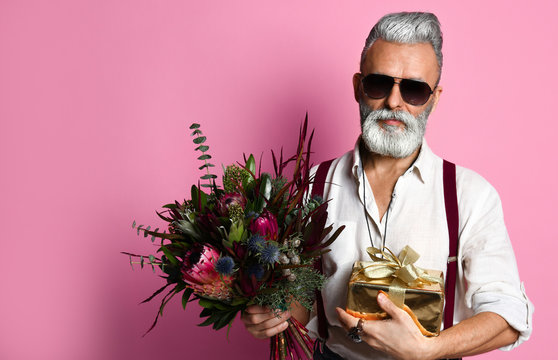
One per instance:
(398, 336)
(401, 338)
(264, 323)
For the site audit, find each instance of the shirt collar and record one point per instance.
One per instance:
(423, 165)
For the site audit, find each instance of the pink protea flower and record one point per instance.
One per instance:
(265, 225)
(230, 200)
(200, 274)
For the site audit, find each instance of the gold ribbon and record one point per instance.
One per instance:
(400, 268)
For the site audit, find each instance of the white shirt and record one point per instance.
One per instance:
(487, 278)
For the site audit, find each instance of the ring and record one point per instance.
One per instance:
(354, 332)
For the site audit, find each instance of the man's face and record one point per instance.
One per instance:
(393, 123)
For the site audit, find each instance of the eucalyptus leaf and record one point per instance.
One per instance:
(199, 140)
(196, 132)
(194, 126)
(206, 165)
(202, 148)
(204, 157)
(134, 224)
(208, 176)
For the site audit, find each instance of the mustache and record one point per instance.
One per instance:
(385, 114)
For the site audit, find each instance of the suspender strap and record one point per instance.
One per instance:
(318, 189)
(452, 217)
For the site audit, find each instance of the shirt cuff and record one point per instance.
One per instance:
(518, 312)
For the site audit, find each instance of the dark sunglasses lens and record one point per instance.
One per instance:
(414, 92)
(377, 86)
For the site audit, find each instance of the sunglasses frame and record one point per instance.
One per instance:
(394, 78)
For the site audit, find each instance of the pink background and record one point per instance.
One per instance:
(95, 100)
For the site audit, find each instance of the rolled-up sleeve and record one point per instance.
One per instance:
(489, 268)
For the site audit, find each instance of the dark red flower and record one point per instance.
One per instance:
(265, 225)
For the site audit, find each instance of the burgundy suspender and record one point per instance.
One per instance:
(318, 189)
(452, 217)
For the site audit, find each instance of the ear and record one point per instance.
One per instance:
(436, 97)
(356, 86)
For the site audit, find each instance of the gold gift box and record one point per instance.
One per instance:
(426, 301)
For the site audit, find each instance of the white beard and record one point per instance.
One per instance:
(391, 140)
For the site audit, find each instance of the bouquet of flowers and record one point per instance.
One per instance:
(252, 241)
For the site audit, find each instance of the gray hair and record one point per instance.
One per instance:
(407, 28)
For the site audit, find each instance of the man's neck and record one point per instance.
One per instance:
(382, 173)
(386, 165)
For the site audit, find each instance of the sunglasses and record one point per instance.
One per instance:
(413, 92)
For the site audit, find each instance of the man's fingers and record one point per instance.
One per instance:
(260, 318)
(264, 324)
(348, 321)
(264, 333)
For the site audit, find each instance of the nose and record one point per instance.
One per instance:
(394, 99)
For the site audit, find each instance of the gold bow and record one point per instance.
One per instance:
(401, 268)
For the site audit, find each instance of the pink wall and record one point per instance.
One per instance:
(95, 99)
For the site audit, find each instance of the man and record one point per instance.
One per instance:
(388, 192)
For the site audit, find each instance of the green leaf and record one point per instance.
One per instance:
(152, 258)
(208, 176)
(251, 164)
(186, 296)
(207, 185)
(236, 232)
(202, 148)
(134, 224)
(265, 186)
(170, 206)
(204, 157)
(194, 126)
(169, 255)
(238, 301)
(196, 132)
(206, 165)
(141, 262)
(225, 319)
(131, 263)
(146, 230)
(206, 312)
(208, 304)
(210, 320)
(199, 140)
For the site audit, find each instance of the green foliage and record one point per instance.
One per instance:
(199, 139)
(285, 293)
(218, 313)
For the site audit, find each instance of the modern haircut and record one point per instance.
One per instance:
(407, 28)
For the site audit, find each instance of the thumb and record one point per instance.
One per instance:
(387, 305)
